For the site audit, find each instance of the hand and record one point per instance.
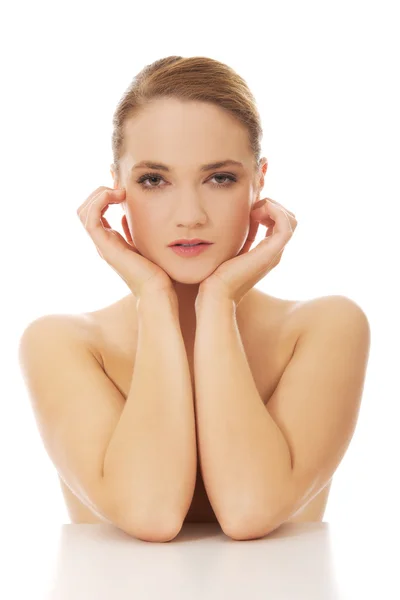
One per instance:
(235, 277)
(140, 274)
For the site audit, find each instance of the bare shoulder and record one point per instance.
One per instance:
(304, 316)
(81, 327)
(109, 326)
(337, 320)
(336, 306)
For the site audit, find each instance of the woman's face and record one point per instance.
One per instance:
(186, 201)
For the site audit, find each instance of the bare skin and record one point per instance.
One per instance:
(269, 328)
(182, 200)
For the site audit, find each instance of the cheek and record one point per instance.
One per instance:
(138, 223)
(239, 221)
(238, 225)
(147, 226)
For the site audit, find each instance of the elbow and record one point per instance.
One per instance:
(261, 519)
(247, 529)
(147, 534)
(151, 529)
(254, 524)
(145, 522)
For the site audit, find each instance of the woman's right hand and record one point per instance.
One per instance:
(140, 274)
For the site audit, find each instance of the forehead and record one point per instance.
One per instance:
(185, 132)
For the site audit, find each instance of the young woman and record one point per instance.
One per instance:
(196, 397)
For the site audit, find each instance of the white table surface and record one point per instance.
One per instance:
(297, 561)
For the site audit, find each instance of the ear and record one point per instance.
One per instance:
(263, 171)
(125, 227)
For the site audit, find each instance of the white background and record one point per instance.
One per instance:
(325, 76)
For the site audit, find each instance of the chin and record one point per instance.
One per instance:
(189, 279)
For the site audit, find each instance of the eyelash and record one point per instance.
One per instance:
(147, 176)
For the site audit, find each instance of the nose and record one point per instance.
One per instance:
(190, 212)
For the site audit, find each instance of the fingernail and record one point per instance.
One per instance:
(258, 204)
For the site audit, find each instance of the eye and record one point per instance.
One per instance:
(144, 178)
(231, 179)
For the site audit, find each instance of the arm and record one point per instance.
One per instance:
(244, 457)
(262, 464)
(151, 458)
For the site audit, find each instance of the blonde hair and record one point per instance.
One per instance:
(195, 78)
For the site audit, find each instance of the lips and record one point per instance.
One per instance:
(192, 242)
(198, 244)
(189, 251)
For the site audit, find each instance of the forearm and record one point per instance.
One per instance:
(243, 454)
(151, 458)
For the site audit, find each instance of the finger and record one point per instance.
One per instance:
(266, 216)
(259, 261)
(94, 227)
(255, 220)
(106, 223)
(281, 206)
(282, 228)
(259, 215)
(89, 199)
(251, 236)
(254, 265)
(82, 210)
(260, 212)
(104, 198)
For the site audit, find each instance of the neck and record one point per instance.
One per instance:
(186, 294)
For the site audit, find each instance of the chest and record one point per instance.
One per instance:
(268, 349)
(268, 346)
(267, 356)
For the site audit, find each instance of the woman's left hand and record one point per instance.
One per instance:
(235, 277)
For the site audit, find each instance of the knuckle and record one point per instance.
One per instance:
(99, 192)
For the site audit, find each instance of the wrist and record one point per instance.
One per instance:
(165, 299)
(208, 301)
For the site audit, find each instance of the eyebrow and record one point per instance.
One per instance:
(207, 167)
